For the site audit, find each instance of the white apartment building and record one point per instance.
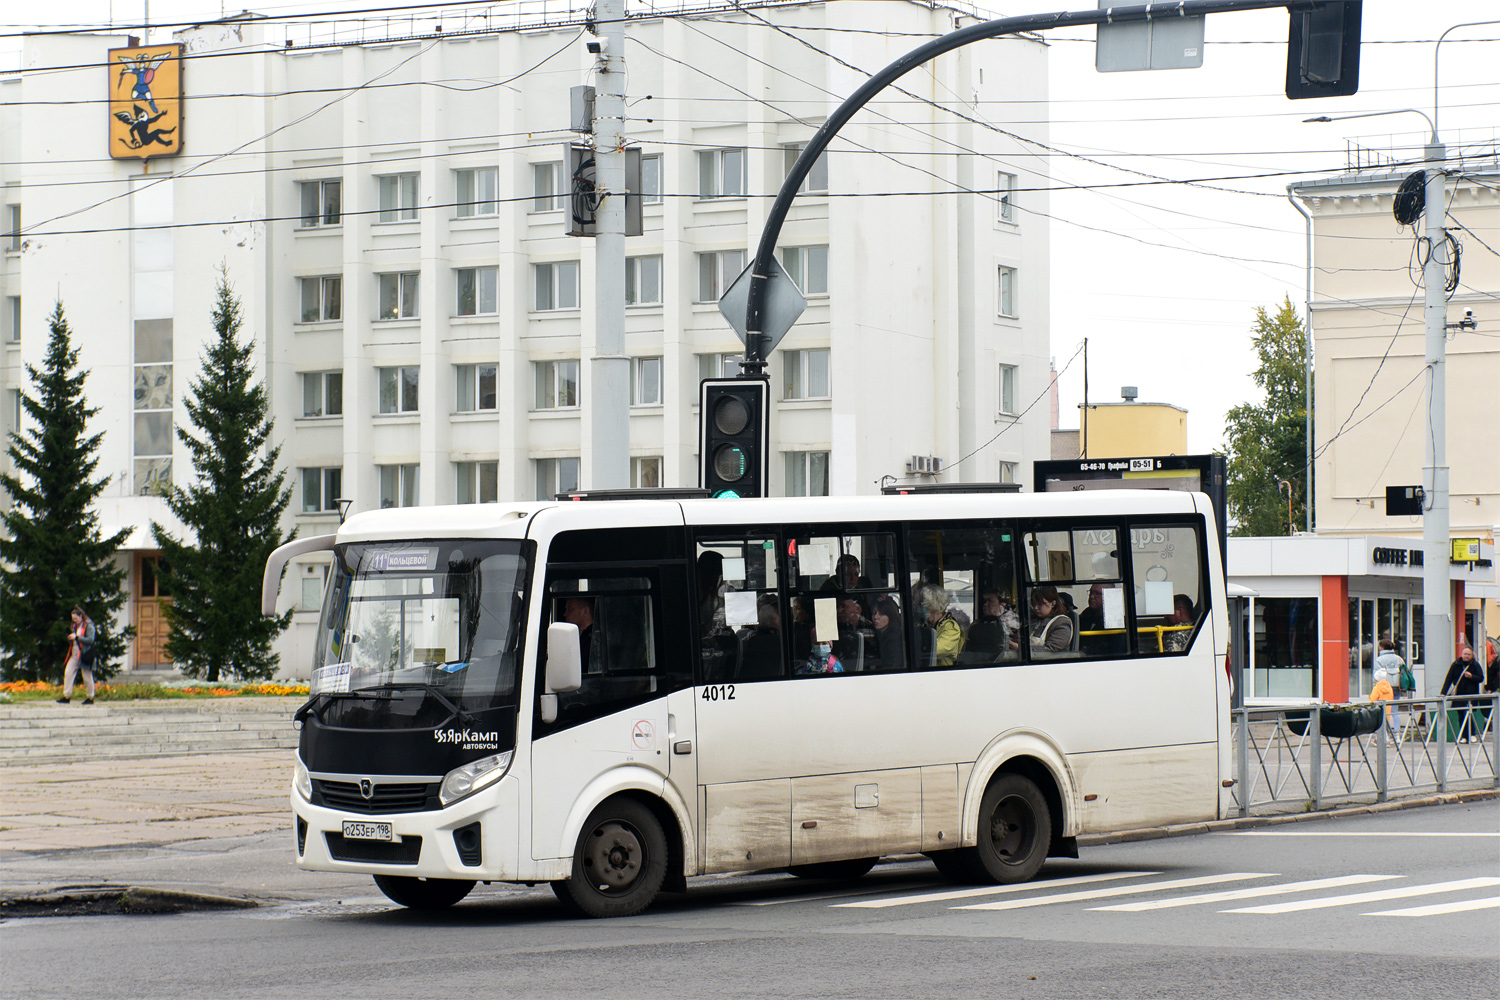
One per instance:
(391, 208)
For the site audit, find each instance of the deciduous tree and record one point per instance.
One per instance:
(52, 554)
(1267, 441)
(233, 508)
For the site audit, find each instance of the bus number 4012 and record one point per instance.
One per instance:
(718, 692)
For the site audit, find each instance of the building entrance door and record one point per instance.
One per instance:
(151, 629)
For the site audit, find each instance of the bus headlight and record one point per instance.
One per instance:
(301, 780)
(466, 780)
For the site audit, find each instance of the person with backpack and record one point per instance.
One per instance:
(81, 638)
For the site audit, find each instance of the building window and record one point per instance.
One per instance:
(322, 298)
(721, 173)
(556, 285)
(153, 405)
(651, 179)
(556, 384)
(321, 204)
(645, 382)
(12, 318)
(816, 181)
(554, 476)
(1007, 389)
(476, 290)
(398, 198)
(642, 281)
(808, 267)
(398, 389)
(804, 374)
(1007, 292)
(313, 581)
(1009, 471)
(478, 482)
(398, 295)
(717, 271)
(322, 394)
(806, 473)
(321, 489)
(398, 485)
(719, 365)
(1005, 194)
(645, 472)
(13, 228)
(476, 387)
(477, 192)
(546, 186)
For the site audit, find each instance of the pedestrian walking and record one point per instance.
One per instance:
(1462, 682)
(81, 636)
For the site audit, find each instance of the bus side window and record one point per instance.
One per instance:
(740, 617)
(1169, 598)
(617, 637)
(963, 592)
(1075, 603)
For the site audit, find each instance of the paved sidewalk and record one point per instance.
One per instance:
(144, 801)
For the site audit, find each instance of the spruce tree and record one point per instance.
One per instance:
(52, 555)
(1268, 440)
(233, 507)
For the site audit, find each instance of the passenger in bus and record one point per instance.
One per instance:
(950, 635)
(802, 627)
(990, 636)
(1051, 627)
(710, 592)
(1182, 614)
(580, 611)
(852, 625)
(760, 647)
(890, 641)
(1091, 620)
(846, 576)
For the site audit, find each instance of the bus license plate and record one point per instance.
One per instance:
(356, 830)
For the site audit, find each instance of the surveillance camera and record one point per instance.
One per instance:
(595, 46)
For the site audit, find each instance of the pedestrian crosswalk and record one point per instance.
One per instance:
(1161, 894)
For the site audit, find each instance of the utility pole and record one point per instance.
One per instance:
(1437, 593)
(609, 397)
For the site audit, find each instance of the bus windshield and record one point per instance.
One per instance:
(438, 620)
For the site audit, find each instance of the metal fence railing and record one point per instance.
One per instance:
(1289, 759)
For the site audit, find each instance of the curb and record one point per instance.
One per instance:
(130, 899)
(1251, 822)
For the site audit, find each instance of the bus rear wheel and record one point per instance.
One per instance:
(842, 871)
(424, 893)
(1015, 833)
(619, 864)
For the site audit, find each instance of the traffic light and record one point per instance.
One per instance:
(733, 436)
(1322, 49)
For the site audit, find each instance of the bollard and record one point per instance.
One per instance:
(1441, 767)
(1315, 732)
(1242, 762)
(1381, 790)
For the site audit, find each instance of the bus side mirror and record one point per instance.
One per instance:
(564, 666)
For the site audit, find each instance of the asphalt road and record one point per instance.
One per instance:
(1099, 926)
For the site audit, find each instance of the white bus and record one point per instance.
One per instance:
(611, 696)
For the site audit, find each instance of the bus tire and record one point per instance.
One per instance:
(423, 893)
(842, 871)
(619, 864)
(1015, 830)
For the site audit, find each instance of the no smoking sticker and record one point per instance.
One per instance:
(643, 734)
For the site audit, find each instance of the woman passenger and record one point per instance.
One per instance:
(950, 635)
(890, 641)
(1051, 628)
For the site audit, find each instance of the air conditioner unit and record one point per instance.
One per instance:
(923, 465)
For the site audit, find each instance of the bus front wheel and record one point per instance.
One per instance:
(423, 893)
(619, 864)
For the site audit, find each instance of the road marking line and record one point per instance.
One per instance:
(1353, 833)
(1463, 906)
(821, 896)
(992, 890)
(1370, 897)
(1260, 890)
(1119, 890)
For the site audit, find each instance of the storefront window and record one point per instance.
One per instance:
(1285, 658)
